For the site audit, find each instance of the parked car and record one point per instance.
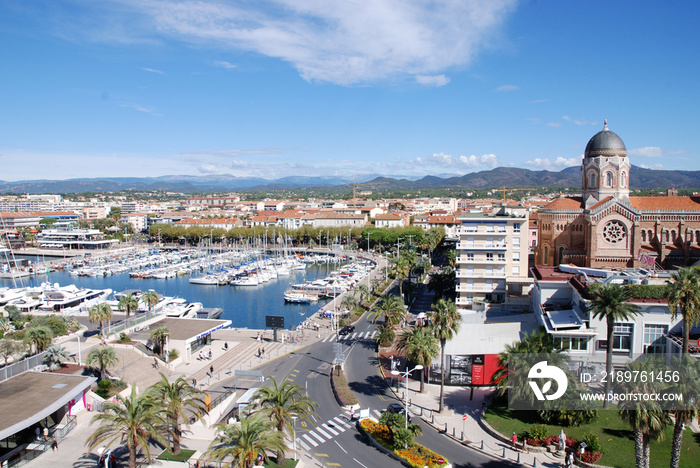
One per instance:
(346, 330)
(398, 408)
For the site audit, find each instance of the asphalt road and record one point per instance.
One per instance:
(337, 442)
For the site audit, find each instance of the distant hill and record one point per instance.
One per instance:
(498, 177)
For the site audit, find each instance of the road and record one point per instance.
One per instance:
(330, 437)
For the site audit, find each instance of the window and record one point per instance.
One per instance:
(489, 257)
(501, 257)
(592, 179)
(516, 242)
(516, 271)
(573, 343)
(516, 256)
(623, 179)
(608, 179)
(516, 227)
(654, 341)
(470, 257)
(622, 340)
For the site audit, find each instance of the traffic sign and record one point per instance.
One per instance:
(440, 460)
(464, 417)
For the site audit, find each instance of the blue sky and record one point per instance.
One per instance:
(271, 88)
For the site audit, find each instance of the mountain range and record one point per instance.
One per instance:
(494, 178)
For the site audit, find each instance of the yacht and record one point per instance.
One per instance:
(299, 297)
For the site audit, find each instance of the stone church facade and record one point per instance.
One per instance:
(607, 228)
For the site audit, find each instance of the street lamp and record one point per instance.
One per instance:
(405, 397)
(294, 436)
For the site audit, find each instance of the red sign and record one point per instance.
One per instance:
(464, 417)
(440, 460)
(477, 374)
(698, 341)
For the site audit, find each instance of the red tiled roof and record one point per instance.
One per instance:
(604, 200)
(565, 203)
(666, 203)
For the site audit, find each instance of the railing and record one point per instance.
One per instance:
(21, 366)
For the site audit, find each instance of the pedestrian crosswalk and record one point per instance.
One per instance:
(353, 336)
(328, 430)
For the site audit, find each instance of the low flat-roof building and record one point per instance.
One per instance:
(187, 336)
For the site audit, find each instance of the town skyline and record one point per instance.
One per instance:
(277, 89)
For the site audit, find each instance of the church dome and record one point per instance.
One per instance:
(605, 143)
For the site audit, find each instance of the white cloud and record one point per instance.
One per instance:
(153, 70)
(556, 165)
(346, 43)
(508, 87)
(579, 121)
(436, 80)
(657, 167)
(224, 64)
(140, 108)
(458, 162)
(554, 124)
(538, 101)
(653, 152)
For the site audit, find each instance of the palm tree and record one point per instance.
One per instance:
(102, 357)
(421, 347)
(402, 268)
(348, 302)
(364, 292)
(281, 403)
(150, 298)
(39, 338)
(133, 420)
(178, 400)
(391, 308)
(100, 313)
(55, 356)
(687, 410)
(610, 302)
(243, 442)
(386, 334)
(684, 294)
(445, 325)
(647, 419)
(128, 303)
(10, 348)
(158, 337)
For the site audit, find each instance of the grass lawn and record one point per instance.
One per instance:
(183, 456)
(290, 463)
(614, 435)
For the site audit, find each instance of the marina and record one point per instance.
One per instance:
(239, 289)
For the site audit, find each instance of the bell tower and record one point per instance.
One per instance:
(605, 168)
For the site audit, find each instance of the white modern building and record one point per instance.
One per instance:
(492, 258)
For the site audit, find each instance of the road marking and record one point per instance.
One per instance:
(359, 463)
(303, 423)
(310, 440)
(333, 464)
(322, 432)
(321, 439)
(325, 426)
(342, 423)
(303, 445)
(341, 447)
(321, 454)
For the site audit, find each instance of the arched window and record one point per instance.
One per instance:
(673, 236)
(666, 235)
(608, 179)
(546, 254)
(623, 179)
(650, 235)
(592, 180)
(697, 237)
(644, 236)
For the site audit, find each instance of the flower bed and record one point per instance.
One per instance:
(415, 454)
(341, 389)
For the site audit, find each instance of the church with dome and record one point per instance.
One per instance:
(607, 228)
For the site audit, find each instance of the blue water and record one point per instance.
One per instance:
(245, 306)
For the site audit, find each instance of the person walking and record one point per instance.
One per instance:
(514, 441)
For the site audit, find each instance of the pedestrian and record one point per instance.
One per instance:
(226, 345)
(194, 383)
(210, 354)
(211, 370)
(37, 431)
(155, 363)
(46, 433)
(570, 460)
(525, 447)
(263, 352)
(259, 353)
(54, 445)
(514, 440)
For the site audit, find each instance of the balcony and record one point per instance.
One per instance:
(480, 274)
(484, 231)
(482, 246)
(479, 288)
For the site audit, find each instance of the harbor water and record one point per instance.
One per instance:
(245, 306)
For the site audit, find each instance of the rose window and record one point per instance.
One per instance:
(614, 232)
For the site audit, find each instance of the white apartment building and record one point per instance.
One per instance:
(492, 258)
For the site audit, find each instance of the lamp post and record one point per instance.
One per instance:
(405, 397)
(294, 436)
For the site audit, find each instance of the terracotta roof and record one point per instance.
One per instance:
(388, 216)
(565, 203)
(604, 200)
(666, 203)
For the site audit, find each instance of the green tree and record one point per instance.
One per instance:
(102, 357)
(363, 292)
(179, 400)
(391, 308)
(348, 302)
(159, 337)
(150, 298)
(421, 347)
(610, 302)
(99, 314)
(128, 303)
(38, 338)
(688, 409)
(402, 432)
(445, 325)
(647, 419)
(386, 334)
(131, 421)
(684, 294)
(242, 443)
(281, 403)
(55, 356)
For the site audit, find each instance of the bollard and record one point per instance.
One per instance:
(462, 438)
(445, 428)
(453, 430)
(410, 403)
(518, 458)
(432, 418)
(504, 452)
(534, 463)
(482, 444)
